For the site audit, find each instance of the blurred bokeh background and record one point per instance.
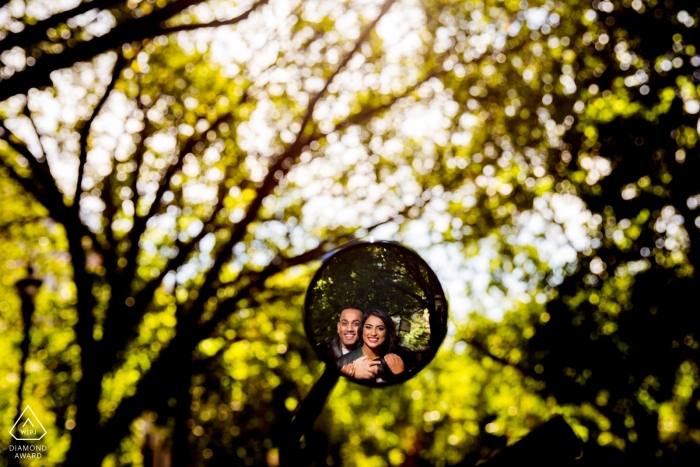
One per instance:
(171, 171)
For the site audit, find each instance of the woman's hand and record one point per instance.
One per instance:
(348, 370)
(365, 368)
(394, 363)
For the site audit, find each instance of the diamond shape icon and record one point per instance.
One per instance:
(28, 427)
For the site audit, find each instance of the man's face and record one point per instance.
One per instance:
(349, 327)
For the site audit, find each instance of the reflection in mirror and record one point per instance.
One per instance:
(376, 312)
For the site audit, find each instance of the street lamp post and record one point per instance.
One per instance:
(27, 289)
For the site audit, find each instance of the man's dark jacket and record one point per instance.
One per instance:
(333, 348)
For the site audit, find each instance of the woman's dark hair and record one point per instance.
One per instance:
(391, 343)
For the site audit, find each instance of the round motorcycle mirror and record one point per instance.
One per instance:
(376, 312)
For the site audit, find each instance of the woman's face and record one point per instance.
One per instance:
(374, 332)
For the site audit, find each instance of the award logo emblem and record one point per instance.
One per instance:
(28, 427)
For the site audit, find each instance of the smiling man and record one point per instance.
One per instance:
(348, 333)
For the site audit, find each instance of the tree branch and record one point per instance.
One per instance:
(42, 184)
(29, 185)
(214, 24)
(163, 186)
(227, 307)
(119, 326)
(31, 34)
(368, 112)
(144, 297)
(405, 290)
(28, 114)
(122, 320)
(130, 31)
(140, 222)
(138, 155)
(475, 344)
(108, 214)
(85, 130)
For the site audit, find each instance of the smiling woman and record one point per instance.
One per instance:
(397, 319)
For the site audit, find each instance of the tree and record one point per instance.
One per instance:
(113, 269)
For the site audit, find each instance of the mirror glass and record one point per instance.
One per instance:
(376, 312)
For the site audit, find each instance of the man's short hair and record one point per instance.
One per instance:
(345, 307)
